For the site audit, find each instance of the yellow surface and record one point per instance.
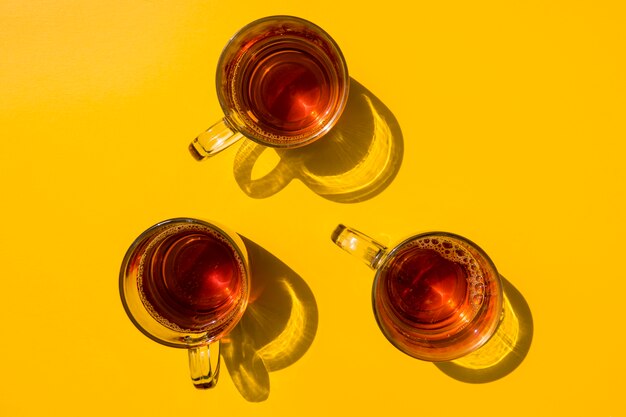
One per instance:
(510, 127)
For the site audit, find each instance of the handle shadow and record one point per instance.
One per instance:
(277, 328)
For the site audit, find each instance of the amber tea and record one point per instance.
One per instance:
(185, 283)
(284, 83)
(281, 81)
(189, 277)
(436, 296)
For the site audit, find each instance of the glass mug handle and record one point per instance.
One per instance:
(204, 365)
(214, 140)
(360, 245)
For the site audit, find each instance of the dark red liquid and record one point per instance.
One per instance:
(190, 279)
(437, 297)
(286, 86)
(289, 89)
(424, 287)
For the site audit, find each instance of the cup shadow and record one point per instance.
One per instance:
(277, 328)
(505, 351)
(356, 160)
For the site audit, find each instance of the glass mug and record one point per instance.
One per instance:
(185, 283)
(281, 81)
(436, 296)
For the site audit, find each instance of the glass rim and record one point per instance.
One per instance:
(343, 74)
(178, 339)
(420, 348)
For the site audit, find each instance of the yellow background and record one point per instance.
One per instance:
(512, 121)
